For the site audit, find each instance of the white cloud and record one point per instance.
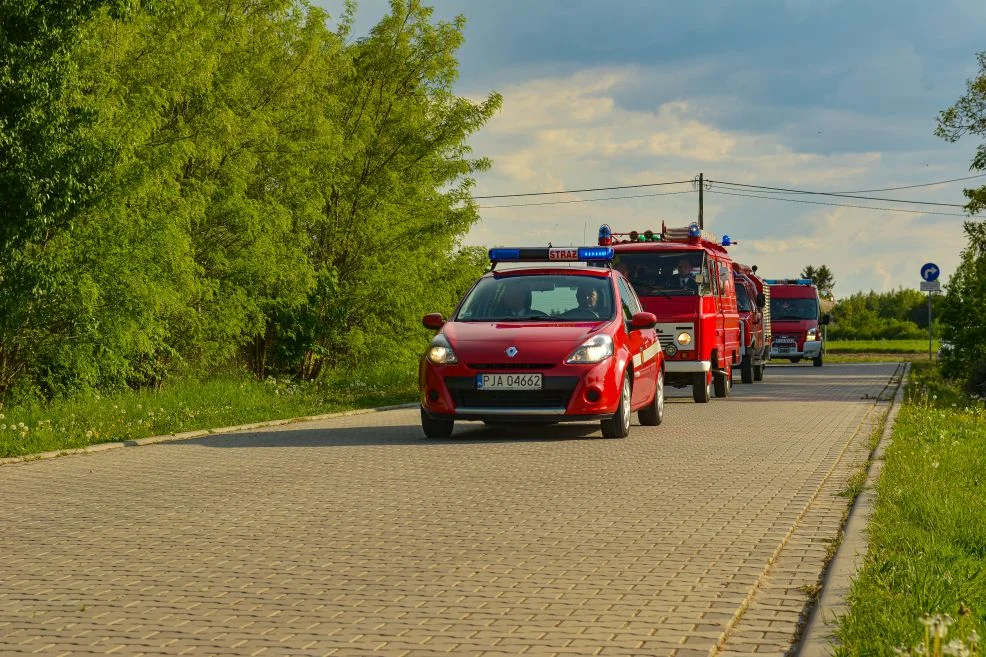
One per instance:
(571, 133)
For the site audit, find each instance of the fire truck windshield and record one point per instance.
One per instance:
(672, 273)
(793, 309)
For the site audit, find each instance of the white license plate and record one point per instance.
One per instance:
(508, 382)
(785, 350)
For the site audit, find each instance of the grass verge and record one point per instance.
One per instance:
(875, 357)
(192, 405)
(880, 347)
(927, 537)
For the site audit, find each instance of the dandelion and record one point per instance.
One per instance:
(935, 465)
(3, 427)
(22, 425)
(89, 433)
(2, 416)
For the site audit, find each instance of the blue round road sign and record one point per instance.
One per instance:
(930, 272)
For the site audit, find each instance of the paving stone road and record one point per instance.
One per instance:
(357, 536)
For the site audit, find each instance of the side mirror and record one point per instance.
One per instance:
(826, 319)
(761, 300)
(433, 321)
(643, 321)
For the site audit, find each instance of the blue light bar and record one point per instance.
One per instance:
(788, 281)
(504, 255)
(594, 253)
(694, 230)
(553, 254)
(726, 241)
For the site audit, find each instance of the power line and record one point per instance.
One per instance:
(931, 184)
(839, 205)
(593, 189)
(865, 198)
(588, 200)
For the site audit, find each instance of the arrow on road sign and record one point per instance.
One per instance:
(930, 272)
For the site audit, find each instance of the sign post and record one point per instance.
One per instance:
(930, 284)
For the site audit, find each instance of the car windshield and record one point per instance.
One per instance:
(555, 297)
(793, 308)
(743, 299)
(673, 273)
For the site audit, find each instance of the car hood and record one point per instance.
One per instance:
(536, 342)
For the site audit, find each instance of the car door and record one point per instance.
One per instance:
(643, 345)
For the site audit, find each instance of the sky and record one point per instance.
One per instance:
(824, 95)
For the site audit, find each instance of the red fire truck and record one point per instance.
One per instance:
(685, 278)
(753, 299)
(797, 320)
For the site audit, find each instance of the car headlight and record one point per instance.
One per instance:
(440, 352)
(812, 335)
(684, 339)
(594, 350)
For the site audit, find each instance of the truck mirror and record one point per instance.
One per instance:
(761, 300)
(826, 319)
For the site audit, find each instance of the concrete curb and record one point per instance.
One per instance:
(818, 638)
(187, 435)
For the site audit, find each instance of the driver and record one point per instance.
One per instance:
(684, 280)
(587, 296)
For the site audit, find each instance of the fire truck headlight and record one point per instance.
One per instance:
(440, 352)
(812, 335)
(684, 339)
(594, 350)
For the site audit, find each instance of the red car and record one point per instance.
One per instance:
(545, 343)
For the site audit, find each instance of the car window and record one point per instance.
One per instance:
(559, 297)
(628, 299)
(725, 280)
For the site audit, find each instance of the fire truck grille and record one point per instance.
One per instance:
(555, 394)
(665, 340)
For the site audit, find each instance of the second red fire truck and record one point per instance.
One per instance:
(753, 299)
(685, 278)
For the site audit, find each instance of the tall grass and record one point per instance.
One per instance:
(191, 405)
(880, 346)
(927, 551)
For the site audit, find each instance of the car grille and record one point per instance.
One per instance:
(555, 394)
(511, 366)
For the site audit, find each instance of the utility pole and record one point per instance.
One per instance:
(929, 324)
(701, 200)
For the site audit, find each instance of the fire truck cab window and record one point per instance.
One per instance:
(743, 299)
(684, 273)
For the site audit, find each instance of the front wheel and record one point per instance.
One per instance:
(746, 368)
(653, 415)
(701, 388)
(723, 382)
(436, 427)
(618, 426)
(796, 360)
(817, 362)
(758, 372)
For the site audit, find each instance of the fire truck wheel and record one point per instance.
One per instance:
(653, 415)
(817, 362)
(746, 368)
(723, 382)
(701, 388)
(758, 372)
(618, 426)
(795, 360)
(436, 427)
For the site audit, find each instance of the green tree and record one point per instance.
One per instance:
(962, 314)
(394, 197)
(823, 279)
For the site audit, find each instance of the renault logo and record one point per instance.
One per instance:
(511, 351)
